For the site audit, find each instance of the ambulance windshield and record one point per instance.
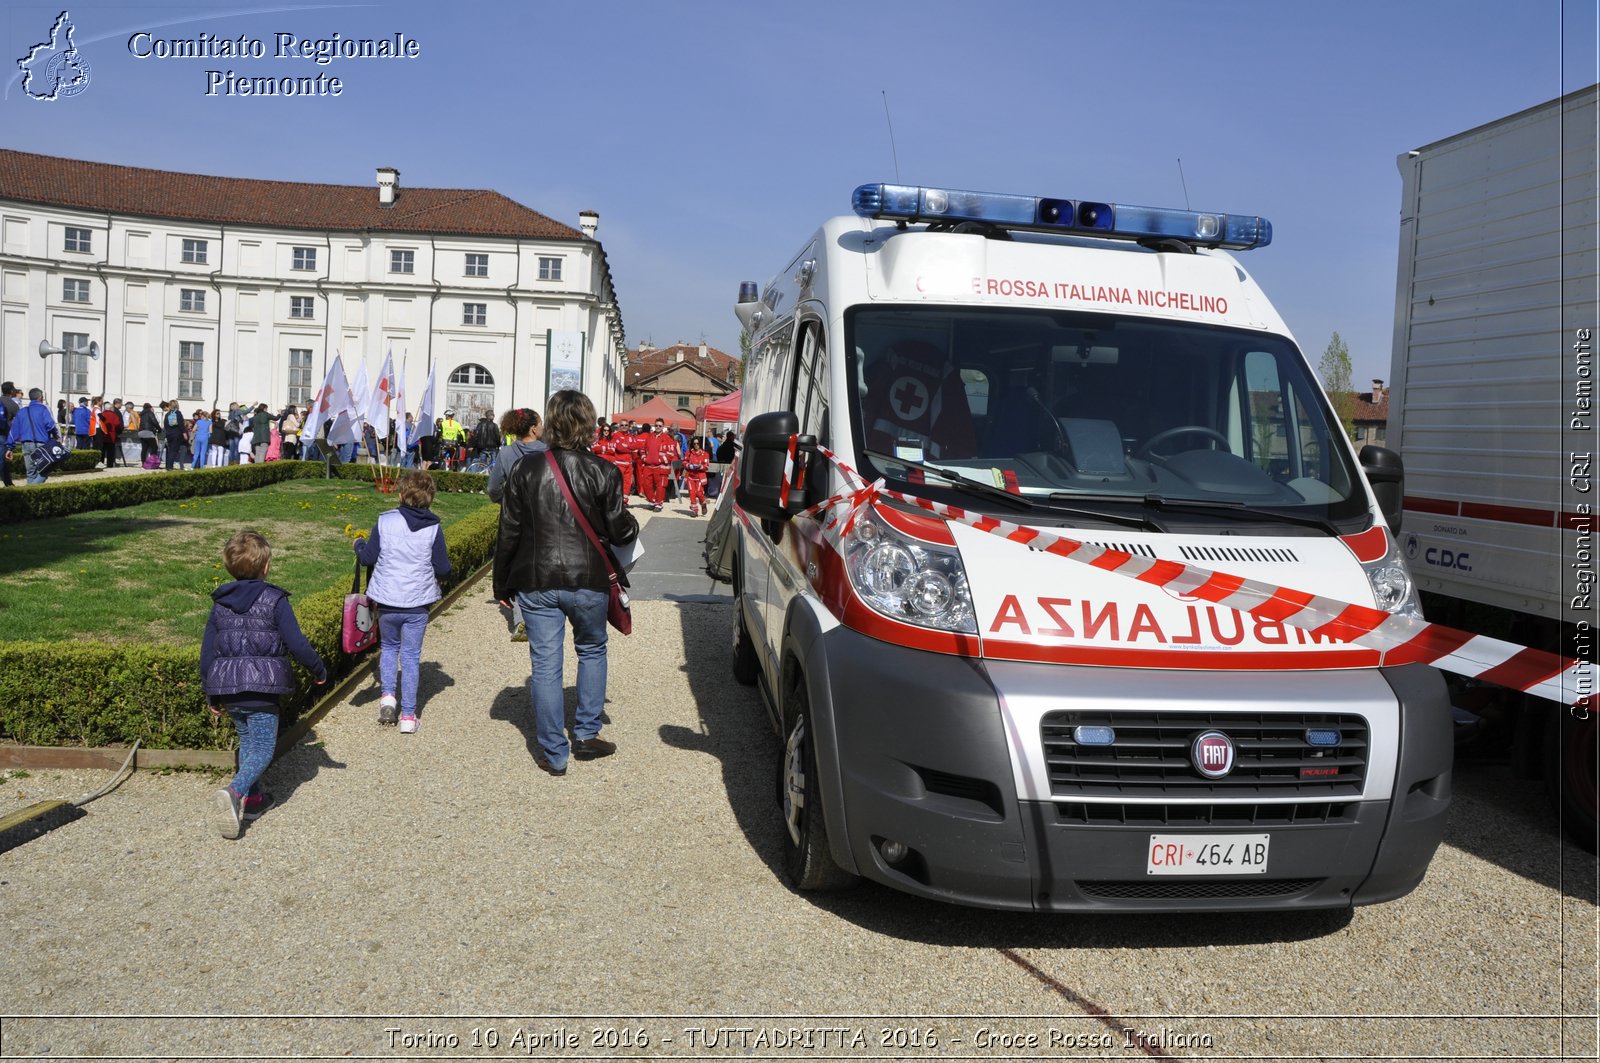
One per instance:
(1118, 409)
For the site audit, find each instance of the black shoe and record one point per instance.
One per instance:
(544, 766)
(593, 748)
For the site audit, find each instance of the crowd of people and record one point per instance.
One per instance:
(166, 436)
(655, 460)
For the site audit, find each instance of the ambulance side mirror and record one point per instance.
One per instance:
(1387, 474)
(762, 464)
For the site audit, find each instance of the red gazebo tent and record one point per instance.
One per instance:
(723, 409)
(657, 407)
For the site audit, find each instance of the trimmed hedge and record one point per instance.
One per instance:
(92, 694)
(454, 482)
(77, 461)
(63, 500)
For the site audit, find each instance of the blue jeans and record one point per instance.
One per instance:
(258, 738)
(546, 613)
(401, 632)
(27, 463)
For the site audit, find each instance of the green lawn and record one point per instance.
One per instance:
(145, 573)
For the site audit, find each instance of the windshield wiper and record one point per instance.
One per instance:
(978, 487)
(1239, 509)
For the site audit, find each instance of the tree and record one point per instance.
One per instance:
(1334, 369)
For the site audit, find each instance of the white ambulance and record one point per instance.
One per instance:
(1000, 453)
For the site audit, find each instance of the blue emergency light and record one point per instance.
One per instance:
(915, 203)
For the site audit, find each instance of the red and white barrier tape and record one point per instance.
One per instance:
(1401, 639)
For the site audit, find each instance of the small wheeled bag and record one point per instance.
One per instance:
(360, 618)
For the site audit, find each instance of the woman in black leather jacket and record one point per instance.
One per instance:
(546, 561)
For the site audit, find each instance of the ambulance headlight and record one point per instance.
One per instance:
(1393, 590)
(1391, 587)
(907, 579)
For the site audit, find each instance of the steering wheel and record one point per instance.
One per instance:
(1149, 445)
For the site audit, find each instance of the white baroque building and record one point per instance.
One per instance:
(221, 289)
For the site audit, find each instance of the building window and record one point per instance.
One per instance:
(75, 291)
(549, 269)
(475, 375)
(477, 265)
(78, 240)
(75, 366)
(402, 261)
(683, 402)
(305, 258)
(191, 369)
(193, 299)
(299, 376)
(303, 306)
(194, 251)
(474, 313)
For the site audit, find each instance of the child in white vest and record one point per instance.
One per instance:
(407, 554)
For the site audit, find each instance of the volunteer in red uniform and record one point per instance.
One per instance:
(655, 463)
(637, 437)
(696, 464)
(619, 452)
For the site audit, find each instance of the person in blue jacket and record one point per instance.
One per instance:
(408, 558)
(33, 425)
(201, 447)
(81, 416)
(244, 668)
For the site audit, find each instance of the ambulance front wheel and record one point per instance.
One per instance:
(806, 857)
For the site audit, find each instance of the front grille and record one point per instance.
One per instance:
(1244, 814)
(1269, 554)
(1141, 549)
(1195, 889)
(1149, 760)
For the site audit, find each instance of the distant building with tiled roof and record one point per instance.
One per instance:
(1371, 416)
(685, 375)
(219, 289)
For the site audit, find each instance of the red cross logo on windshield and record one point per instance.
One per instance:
(909, 397)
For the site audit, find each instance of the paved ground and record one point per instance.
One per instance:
(422, 896)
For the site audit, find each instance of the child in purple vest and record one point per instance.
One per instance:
(407, 552)
(244, 668)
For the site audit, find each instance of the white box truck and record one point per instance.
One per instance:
(1492, 409)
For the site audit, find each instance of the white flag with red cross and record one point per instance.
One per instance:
(332, 399)
(382, 395)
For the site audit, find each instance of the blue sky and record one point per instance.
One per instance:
(712, 137)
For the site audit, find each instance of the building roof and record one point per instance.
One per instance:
(703, 369)
(109, 188)
(1365, 409)
(646, 362)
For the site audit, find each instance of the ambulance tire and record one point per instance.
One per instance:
(746, 668)
(1571, 770)
(807, 860)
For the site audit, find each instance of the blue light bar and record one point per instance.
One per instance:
(1093, 735)
(915, 203)
(1323, 737)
